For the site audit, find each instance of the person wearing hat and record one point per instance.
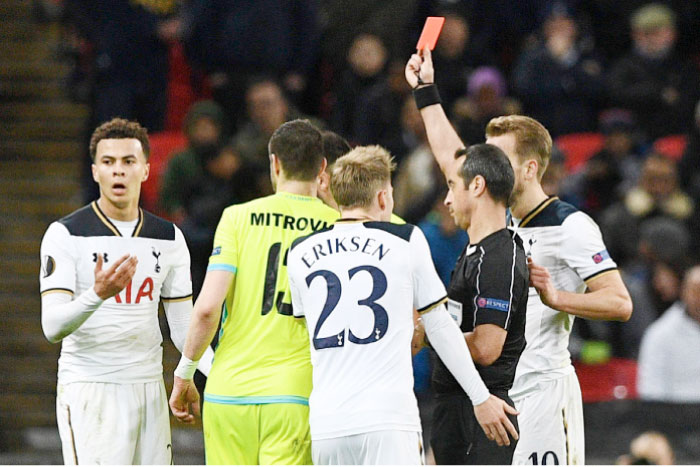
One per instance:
(652, 81)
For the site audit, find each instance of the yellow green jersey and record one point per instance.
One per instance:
(263, 351)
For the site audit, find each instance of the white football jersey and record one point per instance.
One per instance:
(121, 341)
(569, 244)
(357, 285)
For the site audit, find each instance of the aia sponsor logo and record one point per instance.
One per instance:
(127, 297)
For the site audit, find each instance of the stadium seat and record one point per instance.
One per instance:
(180, 93)
(614, 380)
(672, 146)
(163, 146)
(578, 148)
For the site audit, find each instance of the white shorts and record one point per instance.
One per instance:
(107, 423)
(373, 448)
(551, 424)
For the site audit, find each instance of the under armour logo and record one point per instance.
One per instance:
(104, 257)
(157, 256)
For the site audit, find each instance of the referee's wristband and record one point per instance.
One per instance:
(426, 95)
(186, 368)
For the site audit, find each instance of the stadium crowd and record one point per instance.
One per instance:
(617, 84)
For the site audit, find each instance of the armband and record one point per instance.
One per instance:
(427, 95)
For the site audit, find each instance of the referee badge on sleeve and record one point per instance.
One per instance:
(601, 256)
(216, 251)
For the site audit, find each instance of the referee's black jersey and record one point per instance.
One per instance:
(489, 284)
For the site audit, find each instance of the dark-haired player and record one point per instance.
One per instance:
(105, 268)
(256, 397)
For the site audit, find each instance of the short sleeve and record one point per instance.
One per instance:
(57, 261)
(583, 249)
(499, 284)
(178, 282)
(297, 308)
(224, 255)
(428, 289)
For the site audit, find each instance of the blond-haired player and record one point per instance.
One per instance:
(357, 284)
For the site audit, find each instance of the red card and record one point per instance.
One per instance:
(431, 32)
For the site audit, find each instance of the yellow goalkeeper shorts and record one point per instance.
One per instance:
(252, 434)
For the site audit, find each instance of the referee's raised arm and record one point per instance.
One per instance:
(443, 139)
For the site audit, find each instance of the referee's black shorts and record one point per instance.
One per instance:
(457, 438)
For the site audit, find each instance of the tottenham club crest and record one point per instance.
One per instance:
(531, 242)
(156, 254)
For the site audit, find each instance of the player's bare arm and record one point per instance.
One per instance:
(111, 281)
(184, 399)
(607, 298)
(443, 138)
(485, 343)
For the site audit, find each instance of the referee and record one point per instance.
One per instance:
(488, 290)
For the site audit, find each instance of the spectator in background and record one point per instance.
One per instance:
(653, 280)
(205, 129)
(366, 59)
(130, 50)
(129, 42)
(656, 194)
(201, 181)
(380, 122)
(689, 165)
(649, 448)
(486, 98)
(235, 41)
(614, 170)
(445, 239)
(223, 183)
(669, 367)
(559, 81)
(457, 57)
(418, 180)
(343, 22)
(557, 181)
(268, 108)
(654, 82)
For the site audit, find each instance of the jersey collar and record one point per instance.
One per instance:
(105, 220)
(538, 209)
(286, 194)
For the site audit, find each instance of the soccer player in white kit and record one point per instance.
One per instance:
(105, 268)
(567, 257)
(357, 283)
